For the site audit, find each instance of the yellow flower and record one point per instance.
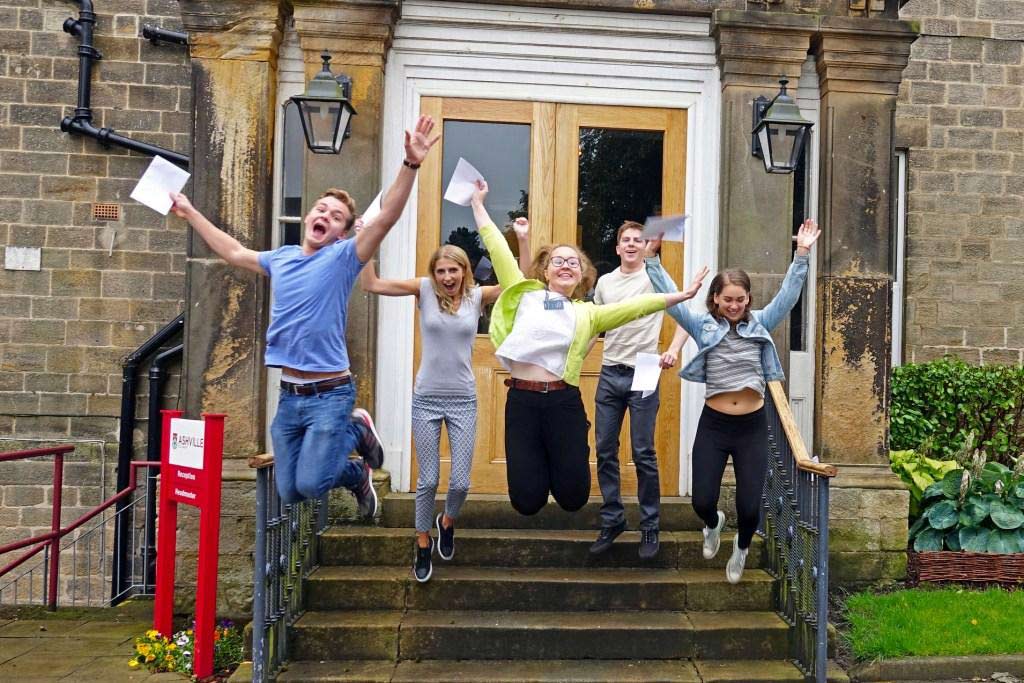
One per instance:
(150, 658)
(133, 664)
(143, 649)
(974, 622)
(172, 646)
(152, 633)
(169, 658)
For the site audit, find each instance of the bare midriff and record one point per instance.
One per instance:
(534, 373)
(742, 402)
(308, 374)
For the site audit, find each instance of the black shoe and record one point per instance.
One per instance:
(369, 446)
(649, 545)
(445, 539)
(422, 567)
(366, 495)
(607, 537)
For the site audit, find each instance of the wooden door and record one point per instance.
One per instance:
(533, 155)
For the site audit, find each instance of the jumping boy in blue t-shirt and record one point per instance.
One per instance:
(315, 427)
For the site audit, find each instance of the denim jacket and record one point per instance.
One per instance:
(708, 332)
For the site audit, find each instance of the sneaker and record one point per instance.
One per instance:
(734, 568)
(369, 445)
(445, 539)
(366, 495)
(422, 567)
(648, 543)
(607, 537)
(713, 537)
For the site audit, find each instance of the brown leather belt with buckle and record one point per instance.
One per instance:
(529, 385)
(315, 387)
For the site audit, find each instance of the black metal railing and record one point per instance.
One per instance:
(795, 529)
(287, 550)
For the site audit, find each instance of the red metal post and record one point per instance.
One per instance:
(209, 544)
(163, 606)
(58, 489)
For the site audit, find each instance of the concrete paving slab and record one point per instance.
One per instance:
(15, 647)
(38, 628)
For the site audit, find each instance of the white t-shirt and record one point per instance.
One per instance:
(623, 343)
(540, 336)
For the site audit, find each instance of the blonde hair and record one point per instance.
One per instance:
(346, 199)
(538, 270)
(459, 257)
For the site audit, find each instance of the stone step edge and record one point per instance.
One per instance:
(568, 575)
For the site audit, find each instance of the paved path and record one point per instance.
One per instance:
(80, 645)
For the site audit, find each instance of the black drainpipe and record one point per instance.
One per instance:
(129, 391)
(81, 122)
(155, 34)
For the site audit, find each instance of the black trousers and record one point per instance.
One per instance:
(546, 449)
(745, 437)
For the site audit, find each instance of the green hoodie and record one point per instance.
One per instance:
(591, 319)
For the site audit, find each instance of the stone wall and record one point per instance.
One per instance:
(961, 116)
(104, 286)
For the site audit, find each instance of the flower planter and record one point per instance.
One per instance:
(962, 567)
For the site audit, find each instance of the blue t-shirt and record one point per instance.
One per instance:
(307, 321)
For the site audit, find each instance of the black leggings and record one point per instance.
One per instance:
(745, 437)
(546, 449)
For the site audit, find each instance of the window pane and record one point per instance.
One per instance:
(798, 332)
(619, 180)
(501, 152)
(291, 233)
(291, 167)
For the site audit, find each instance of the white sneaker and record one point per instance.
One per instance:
(713, 537)
(734, 568)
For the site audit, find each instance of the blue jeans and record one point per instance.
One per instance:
(613, 397)
(313, 436)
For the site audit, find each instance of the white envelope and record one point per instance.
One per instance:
(157, 183)
(673, 227)
(646, 373)
(463, 183)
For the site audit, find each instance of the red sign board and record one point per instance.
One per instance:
(190, 473)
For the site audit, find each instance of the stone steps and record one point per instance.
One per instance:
(535, 589)
(543, 671)
(475, 635)
(488, 511)
(499, 547)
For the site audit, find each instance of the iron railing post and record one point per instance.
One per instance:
(58, 490)
(259, 596)
(821, 646)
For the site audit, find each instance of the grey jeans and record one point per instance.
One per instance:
(612, 399)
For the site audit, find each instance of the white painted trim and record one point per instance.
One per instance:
(452, 49)
(900, 256)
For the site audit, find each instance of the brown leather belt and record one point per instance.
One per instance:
(529, 385)
(315, 387)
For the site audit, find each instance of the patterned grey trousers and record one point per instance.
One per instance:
(459, 416)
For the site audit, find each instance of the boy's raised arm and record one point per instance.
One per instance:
(222, 244)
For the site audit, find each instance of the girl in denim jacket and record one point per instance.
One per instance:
(735, 358)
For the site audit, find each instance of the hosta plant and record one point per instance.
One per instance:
(978, 508)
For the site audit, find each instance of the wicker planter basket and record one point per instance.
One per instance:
(961, 567)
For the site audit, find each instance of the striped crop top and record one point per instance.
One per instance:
(734, 364)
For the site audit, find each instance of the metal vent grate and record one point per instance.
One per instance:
(106, 212)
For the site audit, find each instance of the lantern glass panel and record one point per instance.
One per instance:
(321, 119)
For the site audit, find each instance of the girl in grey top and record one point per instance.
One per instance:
(735, 357)
(449, 303)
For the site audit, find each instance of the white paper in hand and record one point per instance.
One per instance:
(673, 227)
(157, 183)
(646, 373)
(484, 269)
(372, 210)
(463, 183)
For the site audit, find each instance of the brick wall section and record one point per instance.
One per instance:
(104, 287)
(961, 114)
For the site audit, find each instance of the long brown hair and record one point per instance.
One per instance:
(459, 257)
(538, 270)
(730, 276)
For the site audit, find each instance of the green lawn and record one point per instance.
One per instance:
(925, 621)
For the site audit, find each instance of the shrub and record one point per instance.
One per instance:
(158, 653)
(918, 472)
(942, 401)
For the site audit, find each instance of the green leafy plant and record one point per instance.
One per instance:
(945, 400)
(159, 653)
(918, 472)
(977, 508)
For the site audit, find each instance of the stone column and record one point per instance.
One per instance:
(233, 45)
(754, 50)
(860, 64)
(358, 34)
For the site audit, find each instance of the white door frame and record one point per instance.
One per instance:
(449, 49)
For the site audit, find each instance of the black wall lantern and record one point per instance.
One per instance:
(325, 109)
(780, 132)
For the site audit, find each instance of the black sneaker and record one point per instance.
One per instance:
(422, 567)
(366, 495)
(649, 545)
(445, 539)
(607, 537)
(369, 446)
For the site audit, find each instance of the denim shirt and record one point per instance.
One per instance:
(707, 332)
